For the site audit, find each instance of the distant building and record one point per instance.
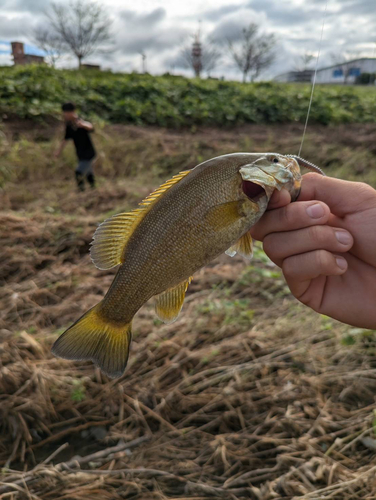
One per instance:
(346, 72)
(90, 66)
(19, 56)
(295, 76)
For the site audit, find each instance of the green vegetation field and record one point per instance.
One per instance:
(173, 101)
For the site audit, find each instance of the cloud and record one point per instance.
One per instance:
(359, 7)
(4, 48)
(228, 30)
(150, 42)
(17, 27)
(219, 13)
(285, 13)
(160, 28)
(231, 27)
(5, 60)
(24, 5)
(143, 20)
(147, 32)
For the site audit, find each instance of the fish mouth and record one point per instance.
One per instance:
(252, 190)
(272, 171)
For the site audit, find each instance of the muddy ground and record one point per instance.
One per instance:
(248, 395)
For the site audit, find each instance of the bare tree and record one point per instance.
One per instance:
(253, 53)
(211, 56)
(51, 44)
(83, 27)
(201, 56)
(304, 61)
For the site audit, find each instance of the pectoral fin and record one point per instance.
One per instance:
(224, 215)
(170, 302)
(243, 247)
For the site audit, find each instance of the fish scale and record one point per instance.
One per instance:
(174, 242)
(178, 229)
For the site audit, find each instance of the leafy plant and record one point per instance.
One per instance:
(78, 393)
(232, 311)
(35, 92)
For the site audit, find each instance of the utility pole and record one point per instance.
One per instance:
(197, 53)
(143, 57)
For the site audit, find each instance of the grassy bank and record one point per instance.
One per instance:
(173, 101)
(248, 395)
(154, 154)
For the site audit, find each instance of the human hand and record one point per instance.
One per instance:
(325, 244)
(83, 124)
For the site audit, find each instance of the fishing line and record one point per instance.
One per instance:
(314, 78)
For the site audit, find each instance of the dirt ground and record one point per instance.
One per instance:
(249, 395)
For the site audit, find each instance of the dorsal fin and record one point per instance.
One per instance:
(149, 200)
(112, 235)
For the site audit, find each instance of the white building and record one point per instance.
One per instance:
(346, 72)
(295, 76)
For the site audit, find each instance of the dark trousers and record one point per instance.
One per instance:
(85, 169)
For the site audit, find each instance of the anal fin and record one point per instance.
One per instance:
(243, 247)
(170, 302)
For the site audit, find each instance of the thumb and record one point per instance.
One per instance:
(279, 199)
(342, 197)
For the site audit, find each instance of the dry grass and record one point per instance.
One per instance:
(247, 395)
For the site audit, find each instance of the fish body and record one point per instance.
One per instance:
(178, 229)
(167, 247)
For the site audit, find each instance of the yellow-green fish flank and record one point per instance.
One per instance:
(181, 227)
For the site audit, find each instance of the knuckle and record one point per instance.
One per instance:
(256, 233)
(314, 179)
(315, 234)
(288, 267)
(320, 235)
(312, 176)
(287, 216)
(323, 259)
(365, 190)
(269, 246)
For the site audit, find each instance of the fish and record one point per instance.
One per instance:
(186, 223)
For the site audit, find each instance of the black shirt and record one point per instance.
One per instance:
(82, 141)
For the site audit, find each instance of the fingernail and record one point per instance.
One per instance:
(315, 211)
(343, 237)
(341, 262)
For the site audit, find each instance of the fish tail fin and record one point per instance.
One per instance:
(95, 338)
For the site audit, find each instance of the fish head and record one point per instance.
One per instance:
(270, 171)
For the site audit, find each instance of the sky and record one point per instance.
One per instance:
(160, 28)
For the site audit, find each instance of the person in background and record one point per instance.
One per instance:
(79, 131)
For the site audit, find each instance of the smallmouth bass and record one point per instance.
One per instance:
(179, 228)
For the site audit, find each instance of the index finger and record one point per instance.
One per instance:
(343, 197)
(291, 217)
